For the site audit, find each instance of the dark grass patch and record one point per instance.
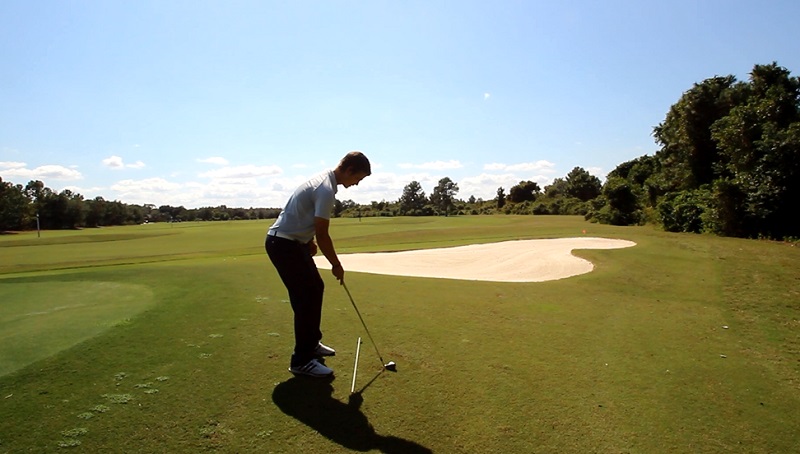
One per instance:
(78, 239)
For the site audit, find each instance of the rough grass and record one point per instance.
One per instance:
(633, 357)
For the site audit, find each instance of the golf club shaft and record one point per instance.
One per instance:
(362, 322)
(355, 367)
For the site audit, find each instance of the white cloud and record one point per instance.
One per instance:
(148, 184)
(269, 186)
(216, 160)
(434, 165)
(486, 96)
(116, 162)
(485, 185)
(157, 191)
(248, 171)
(11, 170)
(538, 166)
(12, 165)
(230, 192)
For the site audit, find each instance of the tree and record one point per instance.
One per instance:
(558, 188)
(760, 147)
(443, 195)
(583, 185)
(70, 209)
(622, 207)
(95, 212)
(688, 150)
(14, 207)
(525, 191)
(413, 200)
(501, 197)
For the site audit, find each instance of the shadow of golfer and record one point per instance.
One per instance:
(310, 401)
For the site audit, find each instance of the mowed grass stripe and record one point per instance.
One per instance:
(40, 319)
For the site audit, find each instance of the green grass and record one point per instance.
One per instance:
(176, 339)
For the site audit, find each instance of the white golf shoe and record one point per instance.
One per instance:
(324, 350)
(313, 368)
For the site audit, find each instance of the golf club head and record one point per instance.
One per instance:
(390, 366)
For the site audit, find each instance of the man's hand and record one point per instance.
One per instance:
(312, 248)
(338, 273)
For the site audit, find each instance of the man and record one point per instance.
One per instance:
(290, 246)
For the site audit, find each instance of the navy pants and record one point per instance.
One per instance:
(299, 274)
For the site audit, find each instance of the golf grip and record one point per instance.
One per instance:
(362, 323)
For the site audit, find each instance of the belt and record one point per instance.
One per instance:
(278, 234)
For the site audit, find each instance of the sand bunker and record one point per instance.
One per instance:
(508, 261)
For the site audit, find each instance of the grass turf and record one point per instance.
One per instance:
(189, 352)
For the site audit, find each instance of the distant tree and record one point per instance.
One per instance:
(34, 190)
(759, 145)
(688, 150)
(583, 185)
(337, 208)
(501, 197)
(14, 207)
(644, 172)
(525, 191)
(96, 212)
(558, 188)
(72, 214)
(118, 213)
(205, 214)
(443, 195)
(618, 204)
(413, 200)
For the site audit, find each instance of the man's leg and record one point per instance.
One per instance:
(299, 274)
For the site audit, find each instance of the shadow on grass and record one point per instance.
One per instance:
(311, 402)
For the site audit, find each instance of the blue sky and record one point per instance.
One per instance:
(204, 103)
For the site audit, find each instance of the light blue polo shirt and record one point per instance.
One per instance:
(314, 198)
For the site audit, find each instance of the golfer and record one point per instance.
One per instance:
(290, 246)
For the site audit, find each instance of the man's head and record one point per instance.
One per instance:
(353, 168)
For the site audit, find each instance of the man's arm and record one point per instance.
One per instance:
(325, 244)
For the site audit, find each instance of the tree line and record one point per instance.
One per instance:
(728, 164)
(569, 195)
(32, 205)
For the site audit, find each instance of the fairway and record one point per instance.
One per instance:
(176, 338)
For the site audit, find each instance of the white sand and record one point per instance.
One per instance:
(509, 261)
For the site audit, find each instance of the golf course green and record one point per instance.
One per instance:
(176, 338)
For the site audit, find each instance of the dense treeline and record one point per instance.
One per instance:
(22, 207)
(729, 164)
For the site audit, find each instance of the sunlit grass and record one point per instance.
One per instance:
(632, 357)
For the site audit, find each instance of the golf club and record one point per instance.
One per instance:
(388, 366)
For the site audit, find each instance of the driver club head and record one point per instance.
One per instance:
(390, 366)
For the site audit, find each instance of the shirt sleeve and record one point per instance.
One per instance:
(323, 203)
